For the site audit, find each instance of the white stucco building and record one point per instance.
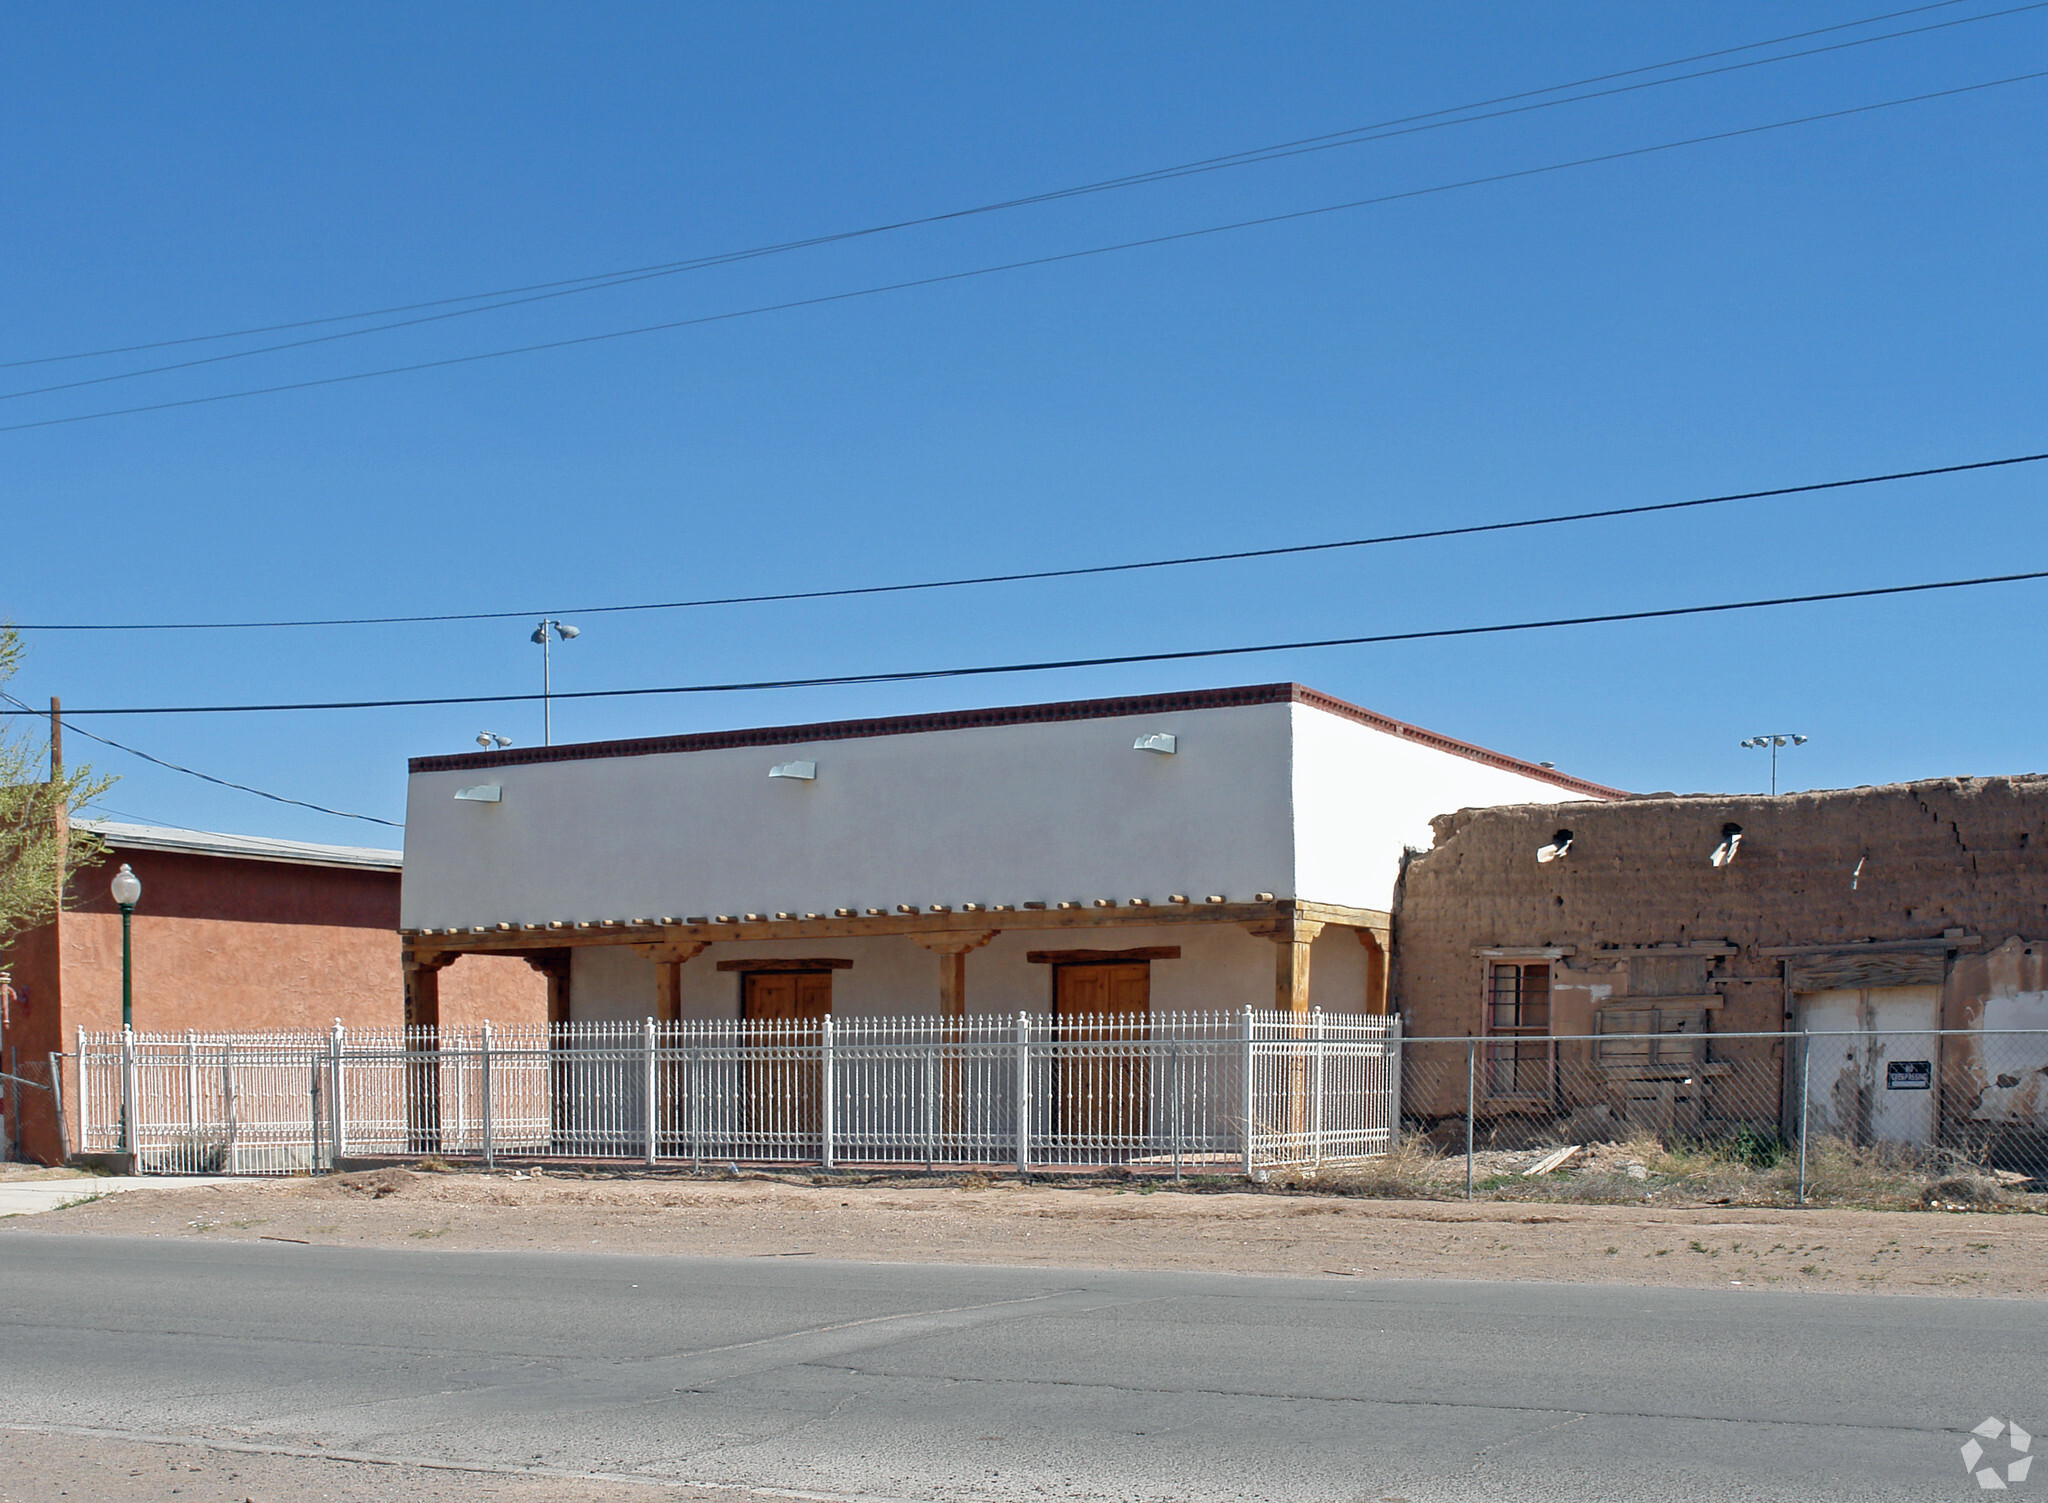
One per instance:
(1168, 852)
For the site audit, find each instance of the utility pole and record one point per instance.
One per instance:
(60, 817)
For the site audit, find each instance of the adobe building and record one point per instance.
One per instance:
(1878, 915)
(1175, 852)
(233, 933)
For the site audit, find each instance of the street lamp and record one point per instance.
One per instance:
(1774, 740)
(545, 633)
(127, 890)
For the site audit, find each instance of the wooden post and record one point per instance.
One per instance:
(669, 959)
(1378, 957)
(423, 1076)
(665, 1101)
(553, 964)
(952, 952)
(953, 983)
(60, 816)
(423, 986)
(1292, 939)
(1290, 971)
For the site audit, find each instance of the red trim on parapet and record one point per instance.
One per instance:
(961, 720)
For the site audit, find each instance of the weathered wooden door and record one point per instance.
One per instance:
(1104, 1084)
(784, 1078)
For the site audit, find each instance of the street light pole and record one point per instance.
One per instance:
(545, 633)
(1774, 740)
(127, 892)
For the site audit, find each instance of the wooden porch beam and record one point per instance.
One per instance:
(960, 923)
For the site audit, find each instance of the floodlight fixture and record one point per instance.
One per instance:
(1774, 740)
(549, 631)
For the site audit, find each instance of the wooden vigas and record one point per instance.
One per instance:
(1097, 1006)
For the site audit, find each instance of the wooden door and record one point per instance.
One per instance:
(1103, 1085)
(789, 995)
(783, 1087)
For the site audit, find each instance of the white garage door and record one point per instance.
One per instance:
(1874, 1075)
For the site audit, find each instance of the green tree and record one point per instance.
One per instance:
(37, 857)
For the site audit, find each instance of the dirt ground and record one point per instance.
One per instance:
(36, 1467)
(973, 1219)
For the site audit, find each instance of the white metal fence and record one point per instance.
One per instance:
(1165, 1093)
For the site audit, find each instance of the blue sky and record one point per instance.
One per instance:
(1851, 296)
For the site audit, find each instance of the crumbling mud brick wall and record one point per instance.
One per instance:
(1909, 863)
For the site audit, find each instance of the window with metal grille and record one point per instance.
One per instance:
(1518, 1012)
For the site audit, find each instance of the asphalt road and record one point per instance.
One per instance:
(920, 1382)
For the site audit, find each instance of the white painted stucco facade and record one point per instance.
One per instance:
(1273, 795)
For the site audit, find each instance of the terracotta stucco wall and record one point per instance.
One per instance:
(222, 944)
(499, 989)
(225, 944)
(33, 1028)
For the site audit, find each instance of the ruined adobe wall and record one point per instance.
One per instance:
(1956, 853)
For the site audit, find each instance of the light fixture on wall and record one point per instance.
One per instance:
(1731, 842)
(803, 772)
(1559, 844)
(492, 741)
(1163, 742)
(481, 793)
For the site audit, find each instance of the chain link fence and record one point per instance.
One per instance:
(1864, 1117)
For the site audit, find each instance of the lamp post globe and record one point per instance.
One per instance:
(127, 892)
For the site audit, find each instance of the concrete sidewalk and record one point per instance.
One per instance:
(29, 1197)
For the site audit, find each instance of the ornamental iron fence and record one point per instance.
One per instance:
(1152, 1093)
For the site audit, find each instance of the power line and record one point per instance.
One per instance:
(205, 777)
(940, 279)
(1361, 135)
(1251, 156)
(1076, 572)
(1121, 659)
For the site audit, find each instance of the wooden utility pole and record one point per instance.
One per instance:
(60, 816)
